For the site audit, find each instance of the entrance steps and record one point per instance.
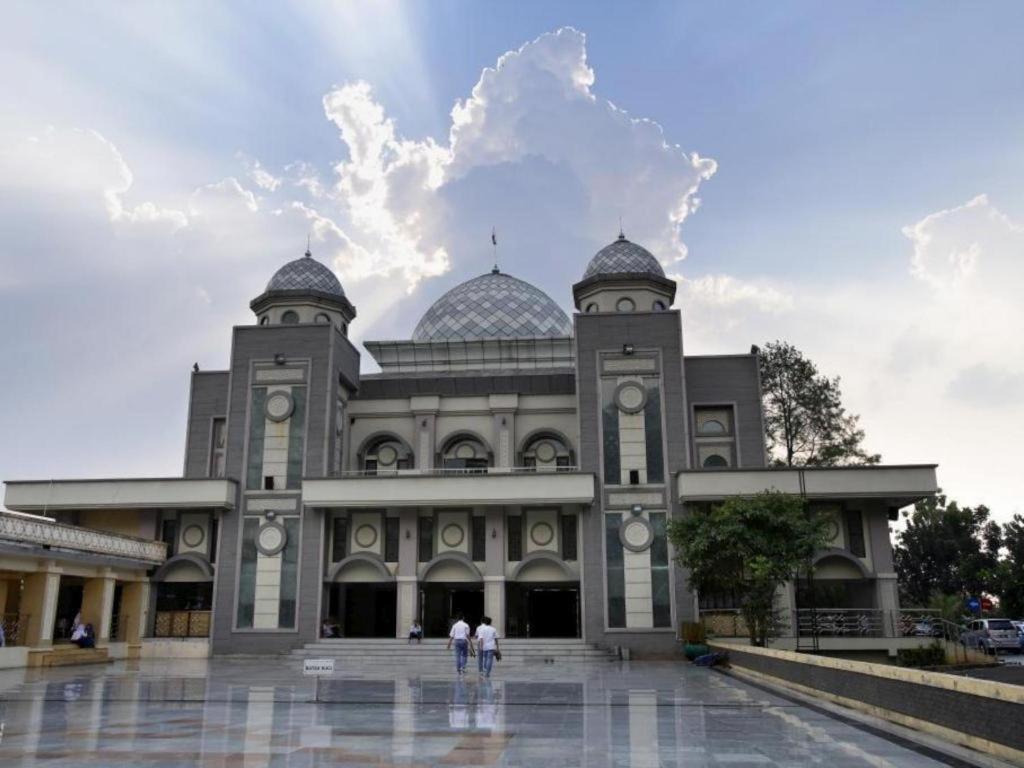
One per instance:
(392, 652)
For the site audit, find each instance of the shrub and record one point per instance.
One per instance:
(933, 655)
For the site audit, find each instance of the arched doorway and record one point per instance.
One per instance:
(362, 598)
(542, 600)
(451, 585)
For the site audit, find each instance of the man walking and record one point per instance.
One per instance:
(487, 645)
(459, 633)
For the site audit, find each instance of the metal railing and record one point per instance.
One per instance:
(840, 622)
(451, 471)
(14, 626)
(40, 530)
(182, 624)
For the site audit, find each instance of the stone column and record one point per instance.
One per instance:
(503, 408)
(424, 409)
(135, 610)
(98, 605)
(494, 568)
(887, 599)
(408, 592)
(39, 604)
(4, 585)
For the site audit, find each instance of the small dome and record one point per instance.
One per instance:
(493, 306)
(305, 274)
(623, 257)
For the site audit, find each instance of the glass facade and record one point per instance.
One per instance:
(247, 573)
(652, 432)
(661, 592)
(289, 575)
(296, 438)
(616, 572)
(610, 433)
(257, 425)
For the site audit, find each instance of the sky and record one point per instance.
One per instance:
(846, 177)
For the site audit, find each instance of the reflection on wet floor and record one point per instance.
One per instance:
(261, 713)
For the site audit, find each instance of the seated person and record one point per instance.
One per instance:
(416, 632)
(84, 636)
(329, 630)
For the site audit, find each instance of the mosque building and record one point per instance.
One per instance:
(507, 460)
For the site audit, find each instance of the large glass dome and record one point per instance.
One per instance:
(305, 274)
(623, 257)
(494, 305)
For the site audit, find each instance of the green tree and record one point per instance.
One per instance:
(1011, 568)
(804, 419)
(748, 546)
(948, 549)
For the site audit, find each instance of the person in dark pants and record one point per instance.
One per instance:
(86, 638)
(459, 634)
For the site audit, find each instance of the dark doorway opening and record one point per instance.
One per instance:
(442, 602)
(542, 610)
(363, 610)
(69, 606)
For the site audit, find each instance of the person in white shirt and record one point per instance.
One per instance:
(487, 645)
(459, 634)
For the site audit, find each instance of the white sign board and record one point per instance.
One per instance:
(318, 666)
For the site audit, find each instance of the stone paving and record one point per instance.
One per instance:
(228, 713)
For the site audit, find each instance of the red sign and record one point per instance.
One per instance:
(986, 604)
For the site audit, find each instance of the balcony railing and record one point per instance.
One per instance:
(451, 472)
(840, 622)
(13, 625)
(182, 624)
(32, 529)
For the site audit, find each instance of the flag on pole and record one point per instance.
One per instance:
(494, 236)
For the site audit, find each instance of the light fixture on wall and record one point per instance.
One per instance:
(627, 349)
(270, 514)
(408, 533)
(494, 533)
(279, 359)
(637, 509)
(503, 421)
(423, 423)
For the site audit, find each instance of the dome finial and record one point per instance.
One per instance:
(622, 235)
(494, 245)
(309, 253)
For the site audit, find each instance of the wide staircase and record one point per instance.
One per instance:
(390, 652)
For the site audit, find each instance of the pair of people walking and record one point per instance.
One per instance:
(486, 638)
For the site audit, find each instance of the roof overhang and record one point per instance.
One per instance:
(588, 285)
(148, 493)
(897, 485)
(294, 295)
(473, 355)
(442, 490)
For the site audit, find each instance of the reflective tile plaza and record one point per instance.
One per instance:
(263, 712)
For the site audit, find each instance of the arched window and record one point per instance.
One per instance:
(712, 427)
(386, 455)
(547, 452)
(465, 452)
(290, 317)
(625, 304)
(715, 461)
(264, 320)
(658, 306)
(323, 318)
(591, 307)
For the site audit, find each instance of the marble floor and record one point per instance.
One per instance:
(262, 712)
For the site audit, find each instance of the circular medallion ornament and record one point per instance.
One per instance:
(193, 536)
(452, 535)
(279, 406)
(636, 534)
(271, 539)
(366, 536)
(465, 451)
(630, 397)
(542, 534)
(386, 455)
(546, 452)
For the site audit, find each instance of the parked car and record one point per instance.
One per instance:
(991, 635)
(1020, 632)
